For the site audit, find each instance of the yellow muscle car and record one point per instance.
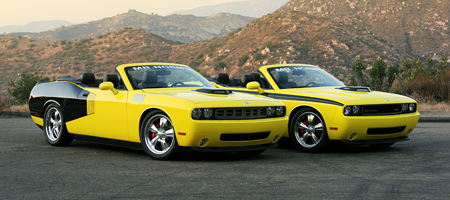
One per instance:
(159, 107)
(321, 108)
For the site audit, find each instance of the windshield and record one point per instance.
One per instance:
(302, 76)
(162, 76)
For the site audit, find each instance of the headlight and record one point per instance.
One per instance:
(404, 107)
(270, 111)
(208, 112)
(196, 113)
(412, 107)
(355, 110)
(280, 111)
(347, 110)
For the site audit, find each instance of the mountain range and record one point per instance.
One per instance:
(253, 8)
(182, 28)
(34, 26)
(318, 32)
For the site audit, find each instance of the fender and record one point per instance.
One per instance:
(70, 97)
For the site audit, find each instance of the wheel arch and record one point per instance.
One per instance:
(145, 113)
(295, 110)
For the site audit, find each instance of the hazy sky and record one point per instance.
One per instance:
(21, 12)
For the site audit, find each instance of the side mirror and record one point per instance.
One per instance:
(255, 85)
(108, 86)
(214, 84)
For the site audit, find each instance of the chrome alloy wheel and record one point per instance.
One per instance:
(309, 129)
(159, 134)
(53, 124)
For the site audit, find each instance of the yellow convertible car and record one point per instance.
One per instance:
(321, 108)
(158, 107)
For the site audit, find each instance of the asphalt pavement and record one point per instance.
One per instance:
(32, 169)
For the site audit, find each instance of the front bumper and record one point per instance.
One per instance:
(364, 128)
(230, 133)
(235, 149)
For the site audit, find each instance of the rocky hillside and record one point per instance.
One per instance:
(419, 26)
(183, 28)
(100, 55)
(288, 37)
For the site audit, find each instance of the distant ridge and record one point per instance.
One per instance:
(182, 28)
(253, 8)
(35, 27)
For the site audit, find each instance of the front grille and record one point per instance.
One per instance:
(243, 137)
(390, 109)
(240, 113)
(385, 131)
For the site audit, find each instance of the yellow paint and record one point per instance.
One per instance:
(37, 120)
(118, 115)
(333, 114)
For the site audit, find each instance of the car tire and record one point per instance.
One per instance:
(55, 130)
(382, 145)
(157, 136)
(255, 152)
(308, 131)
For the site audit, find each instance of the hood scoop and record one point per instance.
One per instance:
(214, 91)
(356, 88)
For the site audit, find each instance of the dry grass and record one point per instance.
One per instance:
(439, 107)
(21, 108)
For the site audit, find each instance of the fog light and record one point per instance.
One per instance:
(275, 138)
(352, 136)
(203, 142)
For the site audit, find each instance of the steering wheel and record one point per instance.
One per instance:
(310, 83)
(175, 83)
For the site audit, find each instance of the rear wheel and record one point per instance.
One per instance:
(55, 127)
(158, 136)
(308, 131)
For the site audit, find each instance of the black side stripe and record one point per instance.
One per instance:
(296, 98)
(310, 99)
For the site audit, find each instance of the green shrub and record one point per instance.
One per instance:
(219, 65)
(20, 89)
(242, 60)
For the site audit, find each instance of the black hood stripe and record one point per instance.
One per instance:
(296, 98)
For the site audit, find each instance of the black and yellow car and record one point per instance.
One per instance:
(159, 107)
(321, 108)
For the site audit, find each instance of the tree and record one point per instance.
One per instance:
(21, 88)
(443, 63)
(359, 67)
(378, 73)
(392, 73)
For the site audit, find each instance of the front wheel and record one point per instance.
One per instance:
(158, 136)
(308, 131)
(55, 129)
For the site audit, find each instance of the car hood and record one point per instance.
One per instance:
(236, 99)
(345, 97)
